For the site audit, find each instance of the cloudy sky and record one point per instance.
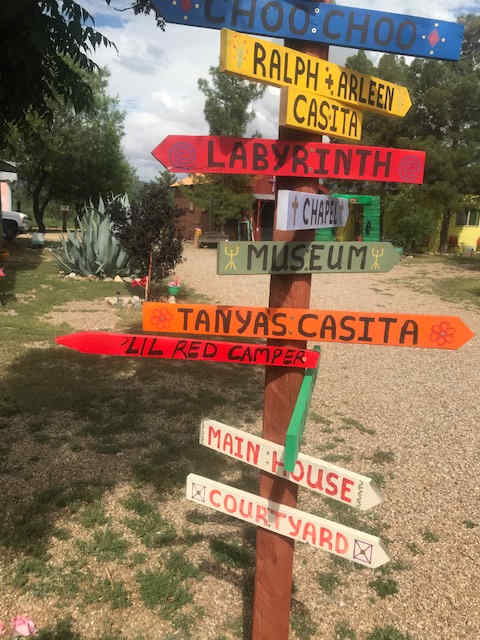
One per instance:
(155, 72)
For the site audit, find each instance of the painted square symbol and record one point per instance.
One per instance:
(198, 492)
(363, 551)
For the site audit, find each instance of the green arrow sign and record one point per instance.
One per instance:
(299, 417)
(243, 258)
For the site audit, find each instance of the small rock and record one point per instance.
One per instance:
(112, 301)
(117, 279)
(72, 275)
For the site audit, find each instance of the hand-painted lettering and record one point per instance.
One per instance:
(213, 494)
(295, 526)
(346, 488)
(278, 515)
(230, 503)
(261, 515)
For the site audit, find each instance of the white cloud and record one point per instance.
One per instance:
(155, 74)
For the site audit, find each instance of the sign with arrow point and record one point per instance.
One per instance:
(273, 64)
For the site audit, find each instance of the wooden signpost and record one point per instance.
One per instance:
(322, 23)
(329, 536)
(141, 346)
(346, 327)
(348, 487)
(315, 159)
(296, 426)
(297, 210)
(273, 64)
(312, 112)
(288, 323)
(248, 258)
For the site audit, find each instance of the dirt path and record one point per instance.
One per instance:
(411, 417)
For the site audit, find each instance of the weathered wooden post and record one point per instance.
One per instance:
(274, 553)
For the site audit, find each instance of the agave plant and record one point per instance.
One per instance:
(93, 248)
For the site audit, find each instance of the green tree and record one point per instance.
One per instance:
(444, 121)
(148, 230)
(72, 156)
(228, 113)
(36, 37)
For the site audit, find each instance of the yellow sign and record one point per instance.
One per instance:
(273, 64)
(315, 113)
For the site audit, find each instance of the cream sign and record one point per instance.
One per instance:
(329, 536)
(318, 475)
(298, 210)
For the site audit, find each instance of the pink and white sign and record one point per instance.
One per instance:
(318, 475)
(334, 538)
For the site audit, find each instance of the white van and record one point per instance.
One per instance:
(13, 223)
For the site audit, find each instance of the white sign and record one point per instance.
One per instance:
(319, 476)
(329, 536)
(298, 210)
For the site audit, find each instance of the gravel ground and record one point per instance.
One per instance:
(418, 404)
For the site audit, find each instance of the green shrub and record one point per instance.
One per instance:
(93, 248)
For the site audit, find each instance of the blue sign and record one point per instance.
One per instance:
(327, 23)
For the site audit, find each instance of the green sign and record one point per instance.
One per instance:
(243, 258)
(299, 417)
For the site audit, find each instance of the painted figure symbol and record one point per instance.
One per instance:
(376, 253)
(363, 551)
(409, 168)
(198, 492)
(231, 252)
(295, 206)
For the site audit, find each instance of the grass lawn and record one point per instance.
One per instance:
(97, 540)
(95, 452)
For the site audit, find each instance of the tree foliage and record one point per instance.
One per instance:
(228, 113)
(37, 36)
(444, 121)
(148, 230)
(72, 156)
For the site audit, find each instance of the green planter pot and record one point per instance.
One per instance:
(173, 291)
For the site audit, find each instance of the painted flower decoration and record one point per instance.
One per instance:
(161, 318)
(442, 333)
(174, 283)
(3, 629)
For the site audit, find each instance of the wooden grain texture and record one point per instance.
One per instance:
(398, 33)
(297, 210)
(345, 542)
(313, 113)
(296, 426)
(287, 323)
(251, 258)
(142, 346)
(274, 556)
(319, 476)
(294, 157)
(269, 62)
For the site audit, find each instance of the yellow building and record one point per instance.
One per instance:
(464, 229)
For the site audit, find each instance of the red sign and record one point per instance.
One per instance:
(120, 344)
(214, 154)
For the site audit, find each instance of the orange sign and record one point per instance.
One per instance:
(354, 327)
